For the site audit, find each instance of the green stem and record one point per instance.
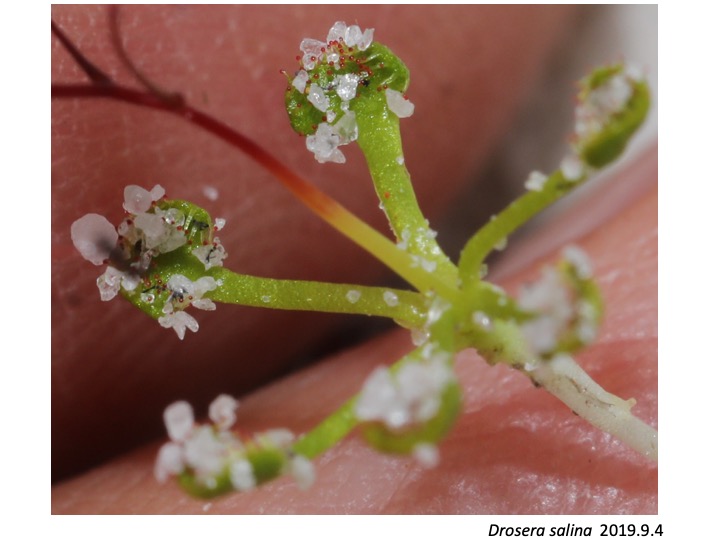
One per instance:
(384, 250)
(504, 344)
(316, 296)
(380, 141)
(328, 432)
(509, 220)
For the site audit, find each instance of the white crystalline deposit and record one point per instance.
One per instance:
(398, 104)
(535, 181)
(550, 299)
(339, 126)
(410, 396)
(147, 232)
(208, 452)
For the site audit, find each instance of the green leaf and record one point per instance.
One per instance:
(605, 144)
(197, 488)
(267, 461)
(378, 69)
(404, 441)
(150, 296)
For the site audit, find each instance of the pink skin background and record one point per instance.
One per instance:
(514, 449)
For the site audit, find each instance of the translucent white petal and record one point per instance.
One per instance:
(179, 420)
(300, 80)
(312, 46)
(138, 199)
(353, 34)
(241, 475)
(157, 192)
(153, 227)
(205, 304)
(179, 321)
(346, 128)
(222, 411)
(169, 461)
(94, 237)
(366, 40)
(337, 32)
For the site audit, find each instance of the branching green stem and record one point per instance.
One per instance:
(421, 400)
(329, 432)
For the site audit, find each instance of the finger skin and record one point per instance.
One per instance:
(113, 369)
(514, 450)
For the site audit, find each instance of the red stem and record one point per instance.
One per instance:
(175, 98)
(317, 201)
(91, 70)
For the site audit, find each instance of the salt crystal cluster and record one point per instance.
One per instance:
(600, 104)
(579, 260)
(535, 181)
(324, 144)
(390, 298)
(408, 397)
(210, 452)
(112, 279)
(399, 104)
(147, 232)
(594, 112)
(427, 455)
(184, 292)
(482, 321)
(341, 47)
(572, 167)
(550, 299)
(556, 307)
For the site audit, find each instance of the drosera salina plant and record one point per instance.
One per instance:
(166, 258)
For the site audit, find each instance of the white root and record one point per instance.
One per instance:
(566, 380)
